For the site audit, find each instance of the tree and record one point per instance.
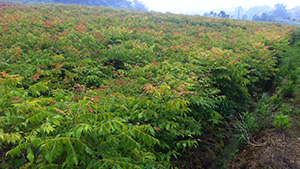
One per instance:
(245, 17)
(265, 17)
(280, 11)
(211, 14)
(255, 18)
(222, 14)
(140, 6)
(258, 10)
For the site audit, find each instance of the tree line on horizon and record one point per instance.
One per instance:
(260, 13)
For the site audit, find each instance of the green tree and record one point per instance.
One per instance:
(280, 11)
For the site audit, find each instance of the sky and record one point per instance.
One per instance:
(208, 5)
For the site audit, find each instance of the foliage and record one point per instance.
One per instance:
(279, 14)
(259, 118)
(92, 87)
(289, 74)
(281, 122)
(272, 111)
(222, 14)
(117, 4)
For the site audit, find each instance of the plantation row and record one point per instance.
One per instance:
(92, 87)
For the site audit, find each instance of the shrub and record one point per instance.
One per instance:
(281, 122)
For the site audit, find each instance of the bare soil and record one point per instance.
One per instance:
(277, 149)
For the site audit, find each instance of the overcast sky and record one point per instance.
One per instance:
(207, 5)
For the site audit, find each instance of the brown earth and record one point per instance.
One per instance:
(274, 149)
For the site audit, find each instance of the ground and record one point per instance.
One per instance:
(273, 149)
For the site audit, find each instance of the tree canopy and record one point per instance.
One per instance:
(279, 14)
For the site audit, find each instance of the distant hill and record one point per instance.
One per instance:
(295, 12)
(263, 13)
(258, 10)
(117, 4)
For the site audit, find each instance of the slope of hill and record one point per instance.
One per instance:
(117, 4)
(93, 87)
(276, 146)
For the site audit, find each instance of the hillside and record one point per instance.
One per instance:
(92, 87)
(117, 4)
(275, 145)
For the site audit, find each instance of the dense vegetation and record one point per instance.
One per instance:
(92, 87)
(275, 116)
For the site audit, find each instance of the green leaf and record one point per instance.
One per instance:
(140, 115)
(78, 132)
(88, 150)
(135, 106)
(48, 157)
(56, 122)
(167, 126)
(30, 155)
(73, 153)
